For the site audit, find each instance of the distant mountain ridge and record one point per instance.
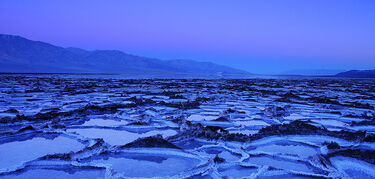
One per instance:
(312, 72)
(20, 55)
(357, 74)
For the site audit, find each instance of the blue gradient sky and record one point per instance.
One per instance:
(260, 36)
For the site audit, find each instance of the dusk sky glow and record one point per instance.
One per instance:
(258, 36)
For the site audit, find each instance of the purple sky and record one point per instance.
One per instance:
(255, 35)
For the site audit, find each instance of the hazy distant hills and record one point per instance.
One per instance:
(21, 55)
(312, 72)
(357, 74)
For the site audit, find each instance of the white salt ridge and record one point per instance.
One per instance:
(212, 113)
(237, 172)
(119, 137)
(251, 123)
(243, 131)
(329, 122)
(11, 115)
(294, 116)
(198, 117)
(103, 122)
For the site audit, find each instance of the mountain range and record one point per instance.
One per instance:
(21, 55)
(312, 72)
(357, 74)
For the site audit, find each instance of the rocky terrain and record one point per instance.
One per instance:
(85, 127)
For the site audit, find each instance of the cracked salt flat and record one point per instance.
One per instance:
(148, 166)
(369, 129)
(56, 174)
(237, 171)
(256, 138)
(15, 154)
(149, 163)
(353, 168)
(292, 150)
(279, 163)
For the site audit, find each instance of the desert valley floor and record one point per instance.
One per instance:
(61, 127)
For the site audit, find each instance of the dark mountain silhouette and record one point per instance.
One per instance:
(357, 74)
(20, 55)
